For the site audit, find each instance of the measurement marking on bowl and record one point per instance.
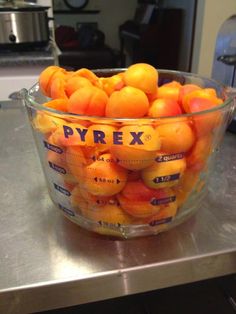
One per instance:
(52, 147)
(61, 189)
(132, 161)
(66, 210)
(110, 225)
(160, 221)
(164, 158)
(57, 168)
(105, 180)
(99, 158)
(168, 178)
(162, 201)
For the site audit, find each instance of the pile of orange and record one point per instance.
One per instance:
(123, 162)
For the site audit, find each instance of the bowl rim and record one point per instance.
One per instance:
(30, 102)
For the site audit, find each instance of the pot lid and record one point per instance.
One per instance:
(11, 5)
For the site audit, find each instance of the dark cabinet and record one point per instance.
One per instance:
(157, 42)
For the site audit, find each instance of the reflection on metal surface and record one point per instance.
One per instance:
(65, 266)
(225, 45)
(47, 261)
(224, 64)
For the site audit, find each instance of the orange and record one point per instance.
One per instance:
(88, 74)
(142, 76)
(207, 93)
(104, 177)
(169, 92)
(88, 100)
(176, 137)
(57, 89)
(113, 83)
(74, 83)
(44, 78)
(163, 174)
(129, 102)
(57, 104)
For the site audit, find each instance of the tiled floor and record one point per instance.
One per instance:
(216, 296)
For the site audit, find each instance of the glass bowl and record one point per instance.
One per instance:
(128, 177)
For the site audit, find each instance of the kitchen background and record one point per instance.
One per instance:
(173, 34)
(112, 15)
(201, 22)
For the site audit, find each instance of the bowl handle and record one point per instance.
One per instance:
(16, 96)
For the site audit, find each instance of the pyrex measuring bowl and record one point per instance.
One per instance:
(128, 177)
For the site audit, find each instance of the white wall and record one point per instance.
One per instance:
(113, 13)
(210, 16)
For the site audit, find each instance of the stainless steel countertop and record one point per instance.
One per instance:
(48, 262)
